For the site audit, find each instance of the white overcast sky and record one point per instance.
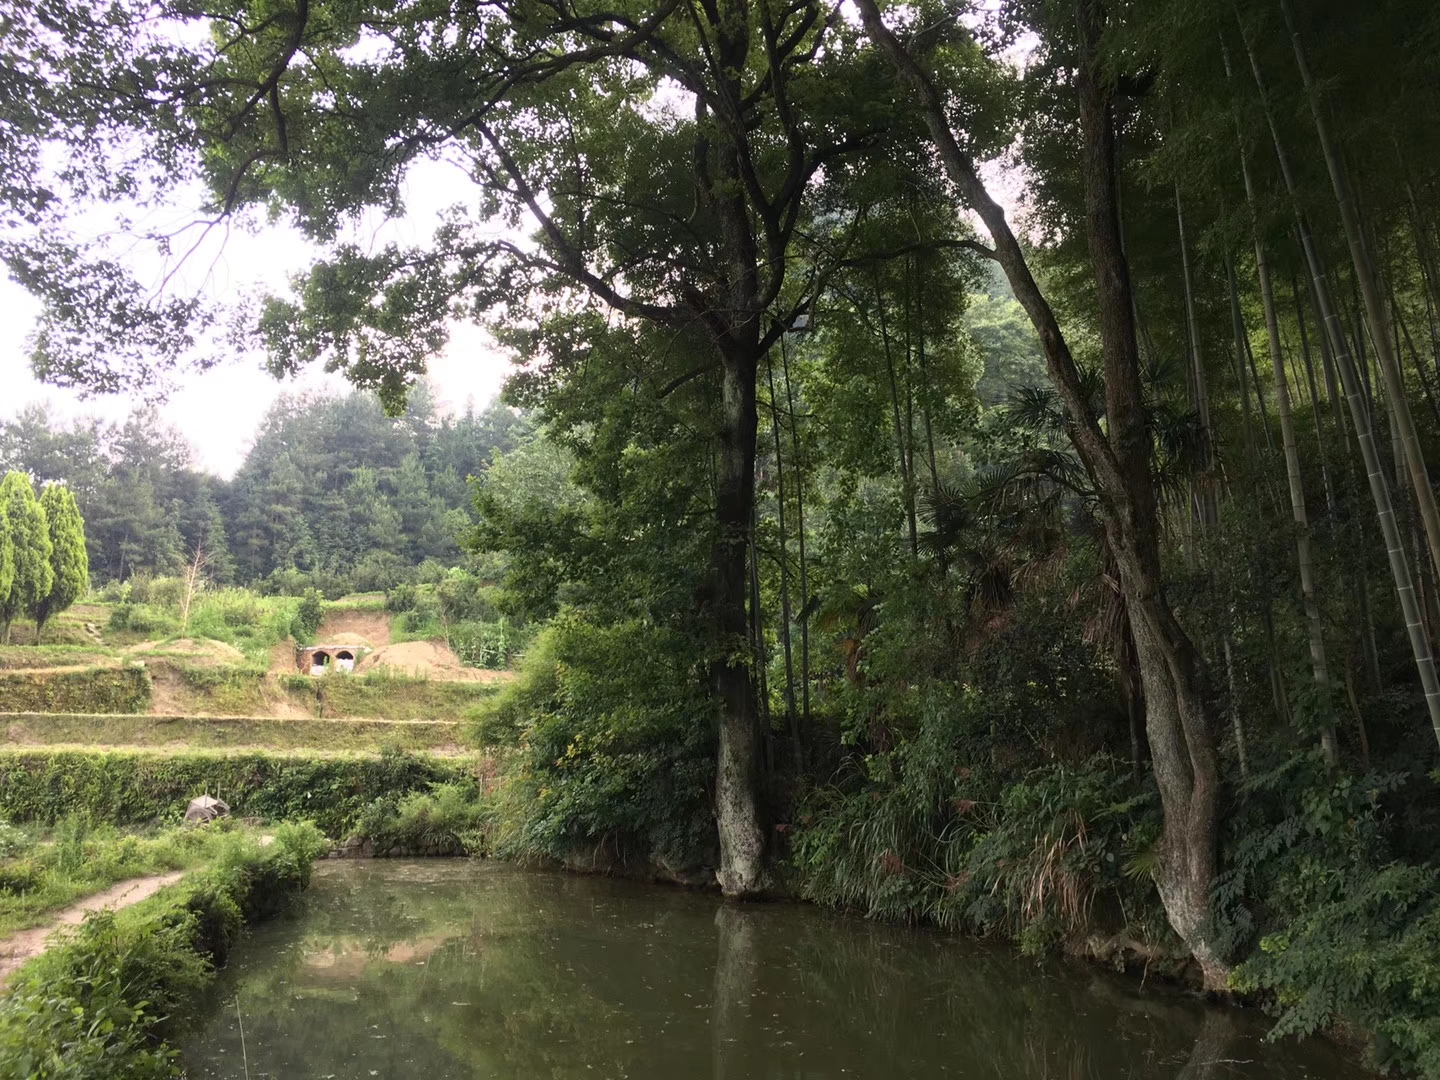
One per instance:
(219, 410)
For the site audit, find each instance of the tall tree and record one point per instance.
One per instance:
(69, 561)
(1178, 721)
(30, 535)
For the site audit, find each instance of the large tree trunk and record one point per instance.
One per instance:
(743, 872)
(737, 779)
(1178, 724)
(1178, 721)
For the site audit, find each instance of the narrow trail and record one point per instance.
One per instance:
(21, 947)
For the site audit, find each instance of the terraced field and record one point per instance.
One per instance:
(93, 691)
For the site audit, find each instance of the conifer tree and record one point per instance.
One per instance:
(7, 555)
(69, 560)
(30, 539)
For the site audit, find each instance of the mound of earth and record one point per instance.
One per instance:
(425, 659)
(192, 648)
(344, 639)
(370, 626)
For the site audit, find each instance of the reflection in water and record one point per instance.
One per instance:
(446, 970)
(1212, 1046)
(735, 974)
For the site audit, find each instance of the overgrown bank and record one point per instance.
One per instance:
(138, 788)
(1325, 911)
(101, 1005)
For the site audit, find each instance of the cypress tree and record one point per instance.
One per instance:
(30, 538)
(7, 554)
(69, 560)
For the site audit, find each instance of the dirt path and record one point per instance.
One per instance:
(28, 944)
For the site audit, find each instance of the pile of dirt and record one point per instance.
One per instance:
(192, 649)
(425, 660)
(282, 658)
(370, 626)
(345, 639)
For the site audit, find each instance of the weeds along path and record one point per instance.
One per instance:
(24, 946)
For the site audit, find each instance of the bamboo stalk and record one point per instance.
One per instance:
(1319, 664)
(1365, 276)
(1379, 486)
(799, 463)
(790, 715)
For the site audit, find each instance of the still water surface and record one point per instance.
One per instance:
(447, 969)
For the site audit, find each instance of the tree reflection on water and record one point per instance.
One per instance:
(452, 969)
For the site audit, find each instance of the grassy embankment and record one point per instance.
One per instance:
(102, 1002)
(108, 731)
(43, 870)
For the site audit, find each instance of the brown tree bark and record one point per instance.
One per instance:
(737, 772)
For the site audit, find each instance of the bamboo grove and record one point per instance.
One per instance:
(1011, 423)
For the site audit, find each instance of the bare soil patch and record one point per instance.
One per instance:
(28, 944)
(282, 658)
(167, 693)
(367, 627)
(427, 660)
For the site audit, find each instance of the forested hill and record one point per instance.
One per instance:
(330, 487)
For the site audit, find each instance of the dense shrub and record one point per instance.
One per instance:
(1041, 859)
(97, 1006)
(430, 572)
(400, 598)
(1333, 925)
(487, 644)
(97, 690)
(292, 582)
(378, 571)
(125, 789)
(309, 614)
(449, 819)
(148, 619)
(464, 597)
(612, 748)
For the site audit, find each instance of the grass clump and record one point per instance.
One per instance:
(449, 819)
(386, 695)
(200, 689)
(153, 608)
(239, 617)
(51, 655)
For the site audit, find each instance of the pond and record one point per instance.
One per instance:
(448, 969)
